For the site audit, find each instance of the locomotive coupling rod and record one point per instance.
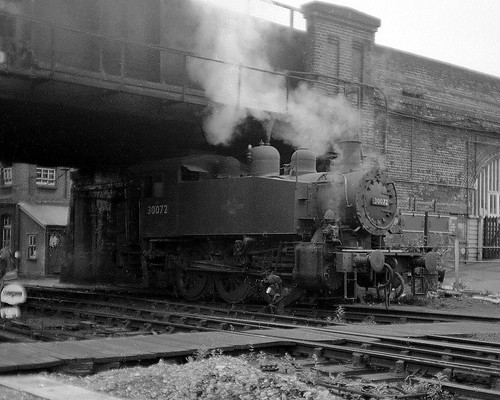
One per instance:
(210, 266)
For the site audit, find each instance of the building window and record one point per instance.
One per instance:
(7, 38)
(31, 246)
(357, 62)
(333, 57)
(7, 176)
(6, 231)
(488, 190)
(46, 176)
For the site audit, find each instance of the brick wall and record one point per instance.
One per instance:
(443, 126)
(333, 31)
(444, 87)
(339, 42)
(25, 188)
(437, 124)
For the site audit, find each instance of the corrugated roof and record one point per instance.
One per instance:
(46, 215)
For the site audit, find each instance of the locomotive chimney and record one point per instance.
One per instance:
(350, 155)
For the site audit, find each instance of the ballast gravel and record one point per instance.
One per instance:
(220, 377)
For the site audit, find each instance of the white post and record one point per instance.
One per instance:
(457, 262)
(480, 238)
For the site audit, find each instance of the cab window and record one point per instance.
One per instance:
(152, 186)
(147, 187)
(158, 186)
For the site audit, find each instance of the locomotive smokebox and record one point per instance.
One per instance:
(265, 160)
(351, 156)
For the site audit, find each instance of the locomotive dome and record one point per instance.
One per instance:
(265, 160)
(229, 167)
(303, 161)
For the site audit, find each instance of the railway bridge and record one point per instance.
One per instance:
(79, 98)
(85, 85)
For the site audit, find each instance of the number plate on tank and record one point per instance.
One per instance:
(377, 201)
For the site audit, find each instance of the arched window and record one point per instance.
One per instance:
(6, 230)
(488, 190)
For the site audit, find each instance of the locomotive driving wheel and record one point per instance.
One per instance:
(192, 284)
(232, 288)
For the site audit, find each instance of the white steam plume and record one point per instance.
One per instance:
(10, 7)
(318, 121)
(238, 40)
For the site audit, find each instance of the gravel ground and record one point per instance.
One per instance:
(9, 394)
(216, 377)
(224, 377)
(462, 304)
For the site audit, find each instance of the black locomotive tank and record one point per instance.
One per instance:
(210, 222)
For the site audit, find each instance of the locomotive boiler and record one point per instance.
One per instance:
(210, 224)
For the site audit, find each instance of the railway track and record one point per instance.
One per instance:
(396, 314)
(472, 367)
(143, 314)
(304, 314)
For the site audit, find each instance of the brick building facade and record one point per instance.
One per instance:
(34, 204)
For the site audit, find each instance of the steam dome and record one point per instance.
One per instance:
(303, 162)
(265, 160)
(229, 167)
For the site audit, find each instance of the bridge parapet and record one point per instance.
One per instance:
(99, 68)
(112, 63)
(43, 51)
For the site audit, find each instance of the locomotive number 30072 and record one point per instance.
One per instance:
(157, 209)
(377, 201)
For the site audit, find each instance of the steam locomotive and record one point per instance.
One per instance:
(210, 224)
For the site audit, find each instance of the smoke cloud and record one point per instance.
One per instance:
(318, 121)
(10, 7)
(241, 86)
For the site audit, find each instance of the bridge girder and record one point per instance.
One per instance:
(58, 120)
